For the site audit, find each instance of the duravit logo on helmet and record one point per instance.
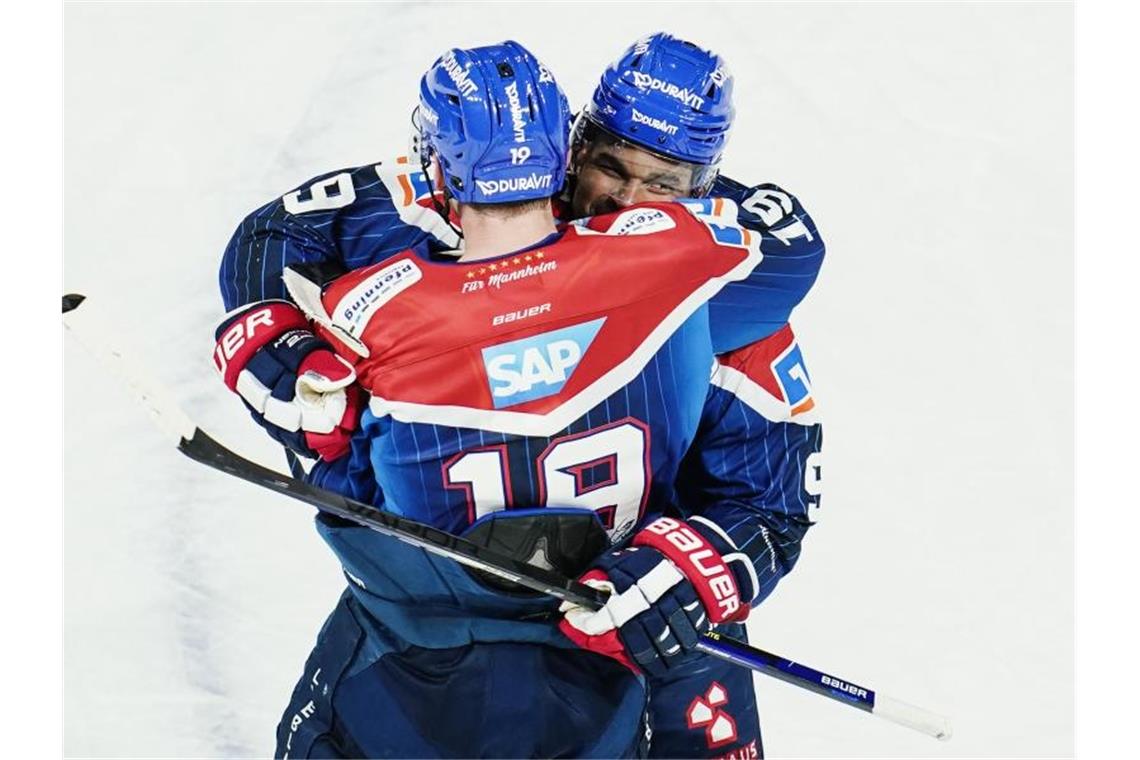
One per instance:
(428, 115)
(517, 123)
(458, 74)
(659, 124)
(644, 81)
(515, 184)
(539, 366)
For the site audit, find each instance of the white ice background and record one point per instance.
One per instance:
(932, 143)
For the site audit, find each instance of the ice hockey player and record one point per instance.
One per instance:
(356, 217)
(513, 393)
(761, 402)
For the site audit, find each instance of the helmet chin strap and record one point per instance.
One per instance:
(433, 173)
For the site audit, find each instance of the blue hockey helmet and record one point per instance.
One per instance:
(668, 96)
(497, 122)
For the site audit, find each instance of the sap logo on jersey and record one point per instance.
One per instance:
(538, 366)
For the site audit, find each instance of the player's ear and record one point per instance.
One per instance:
(578, 154)
(435, 175)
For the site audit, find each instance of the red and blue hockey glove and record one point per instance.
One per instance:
(301, 392)
(672, 583)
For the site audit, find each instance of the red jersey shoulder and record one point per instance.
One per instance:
(702, 235)
(547, 332)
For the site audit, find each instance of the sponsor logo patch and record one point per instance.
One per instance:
(538, 366)
(518, 125)
(792, 376)
(357, 306)
(428, 115)
(643, 81)
(708, 712)
(515, 184)
(720, 216)
(520, 314)
(659, 124)
(458, 74)
(641, 222)
(500, 273)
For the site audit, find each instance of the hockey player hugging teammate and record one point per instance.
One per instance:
(555, 392)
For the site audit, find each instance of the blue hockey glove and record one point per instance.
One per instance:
(672, 583)
(293, 384)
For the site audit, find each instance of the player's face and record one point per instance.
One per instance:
(611, 176)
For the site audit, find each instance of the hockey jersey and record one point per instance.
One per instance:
(575, 375)
(362, 216)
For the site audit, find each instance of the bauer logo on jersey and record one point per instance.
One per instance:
(538, 366)
(358, 305)
(792, 376)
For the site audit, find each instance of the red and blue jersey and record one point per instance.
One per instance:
(572, 374)
(362, 216)
(579, 380)
(578, 374)
(756, 472)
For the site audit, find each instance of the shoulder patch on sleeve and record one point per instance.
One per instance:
(412, 198)
(634, 221)
(719, 215)
(770, 377)
(719, 209)
(355, 308)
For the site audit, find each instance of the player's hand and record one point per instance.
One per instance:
(667, 588)
(301, 392)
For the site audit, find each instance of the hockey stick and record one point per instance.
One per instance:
(196, 444)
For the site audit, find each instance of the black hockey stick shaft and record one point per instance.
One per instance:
(197, 445)
(202, 448)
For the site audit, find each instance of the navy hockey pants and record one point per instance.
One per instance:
(705, 708)
(481, 700)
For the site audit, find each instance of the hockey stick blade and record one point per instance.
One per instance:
(71, 301)
(199, 446)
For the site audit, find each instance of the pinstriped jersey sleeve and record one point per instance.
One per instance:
(342, 220)
(750, 310)
(754, 466)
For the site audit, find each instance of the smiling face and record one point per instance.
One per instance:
(612, 174)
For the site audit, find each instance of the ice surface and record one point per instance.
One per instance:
(932, 144)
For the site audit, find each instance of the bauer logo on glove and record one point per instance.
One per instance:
(295, 387)
(667, 589)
